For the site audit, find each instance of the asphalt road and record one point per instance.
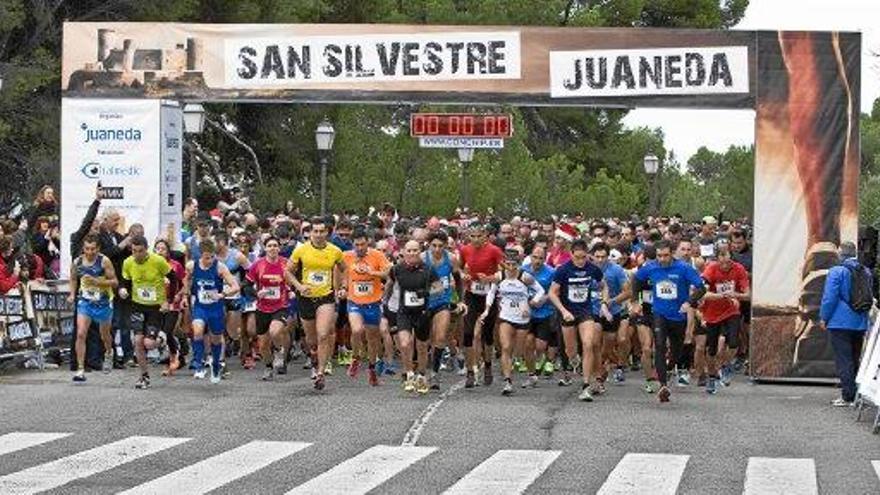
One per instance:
(709, 442)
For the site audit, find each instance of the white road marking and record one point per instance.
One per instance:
(506, 472)
(13, 442)
(657, 474)
(415, 431)
(767, 476)
(84, 464)
(363, 472)
(219, 470)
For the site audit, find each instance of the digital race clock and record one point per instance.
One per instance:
(461, 125)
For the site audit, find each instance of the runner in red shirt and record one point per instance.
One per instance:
(481, 261)
(728, 284)
(270, 280)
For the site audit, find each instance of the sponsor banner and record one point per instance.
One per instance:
(398, 62)
(171, 162)
(116, 142)
(42, 311)
(806, 194)
(404, 57)
(654, 71)
(460, 142)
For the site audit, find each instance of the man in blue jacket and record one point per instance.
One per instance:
(846, 327)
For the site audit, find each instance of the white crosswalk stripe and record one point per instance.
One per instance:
(504, 472)
(657, 474)
(13, 442)
(214, 472)
(62, 471)
(364, 472)
(507, 471)
(769, 476)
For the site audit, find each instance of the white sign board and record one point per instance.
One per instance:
(252, 62)
(171, 187)
(116, 142)
(460, 142)
(649, 71)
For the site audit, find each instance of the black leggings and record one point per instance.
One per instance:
(476, 304)
(674, 331)
(169, 326)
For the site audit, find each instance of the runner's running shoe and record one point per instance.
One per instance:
(508, 388)
(354, 368)
(422, 385)
(143, 383)
(663, 394)
(585, 394)
(711, 386)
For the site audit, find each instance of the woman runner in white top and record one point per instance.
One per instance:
(514, 309)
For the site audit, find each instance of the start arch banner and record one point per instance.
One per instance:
(393, 63)
(804, 87)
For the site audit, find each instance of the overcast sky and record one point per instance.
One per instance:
(687, 130)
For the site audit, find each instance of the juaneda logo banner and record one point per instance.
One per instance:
(117, 143)
(654, 71)
(412, 57)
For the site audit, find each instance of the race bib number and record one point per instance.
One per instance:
(207, 296)
(91, 294)
(479, 288)
(667, 290)
(647, 297)
(707, 250)
(578, 293)
(363, 289)
(273, 293)
(445, 283)
(250, 307)
(148, 294)
(318, 278)
(411, 299)
(725, 288)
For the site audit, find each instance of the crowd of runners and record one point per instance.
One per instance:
(417, 301)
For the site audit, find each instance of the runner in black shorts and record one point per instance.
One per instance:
(415, 281)
(144, 275)
(481, 261)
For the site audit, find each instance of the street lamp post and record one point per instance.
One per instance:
(193, 123)
(652, 168)
(465, 157)
(324, 135)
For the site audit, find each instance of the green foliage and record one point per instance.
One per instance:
(731, 174)
(272, 196)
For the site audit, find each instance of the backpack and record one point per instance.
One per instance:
(861, 293)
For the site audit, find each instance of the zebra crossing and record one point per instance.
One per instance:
(504, 472)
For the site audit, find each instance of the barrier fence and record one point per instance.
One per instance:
(868, 376)
(35, 318)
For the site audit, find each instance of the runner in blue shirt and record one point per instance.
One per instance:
(542, 326)
(613, 328)
(572, 294)
(210, 282)
(672, 281)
